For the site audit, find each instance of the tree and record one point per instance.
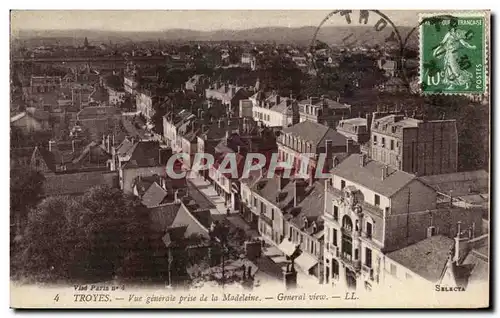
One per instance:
(115, 229)
(47, 243)
(26, 188)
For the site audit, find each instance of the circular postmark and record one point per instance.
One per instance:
(355, 31)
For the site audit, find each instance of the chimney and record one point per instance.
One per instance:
(278, 99)
(328, 146)
(349, 146)
(369, 122)
(73, 146)
(461, 245)
(279, 180)
(51, 142)
(384, 172)
(177, 196)
(108, 146)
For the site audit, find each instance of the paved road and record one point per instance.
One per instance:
(208, 190)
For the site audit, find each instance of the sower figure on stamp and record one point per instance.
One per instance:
(454, 74)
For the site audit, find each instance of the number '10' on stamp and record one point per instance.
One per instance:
(453, 57)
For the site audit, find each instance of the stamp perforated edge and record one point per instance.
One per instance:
(485, 14)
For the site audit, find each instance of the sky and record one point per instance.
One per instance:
(142, 20)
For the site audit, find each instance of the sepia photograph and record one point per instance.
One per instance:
(250, 159)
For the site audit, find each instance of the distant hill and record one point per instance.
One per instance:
(329, 34)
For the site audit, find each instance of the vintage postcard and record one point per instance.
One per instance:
(250, 159)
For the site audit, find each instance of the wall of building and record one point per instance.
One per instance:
(127, 176)
(410, 198)
(404, 229)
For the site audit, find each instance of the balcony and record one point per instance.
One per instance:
(332, 249)
(348, 261)
(366, 235)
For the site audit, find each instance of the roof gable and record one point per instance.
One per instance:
(370, 175)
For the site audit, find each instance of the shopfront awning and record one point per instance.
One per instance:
(287, 247)
(306, 261)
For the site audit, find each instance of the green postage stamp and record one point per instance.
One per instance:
(453, 53)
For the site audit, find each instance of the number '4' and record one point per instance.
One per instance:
(56, 298)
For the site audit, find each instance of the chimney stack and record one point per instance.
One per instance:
(384, 172)
(51, 142)
(349, 146)
(328, 146)
(461, 245)
(73, 146)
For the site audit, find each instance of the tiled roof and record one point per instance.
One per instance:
(330, 103)
(98, 112)
(370, 175)
(354, 121)
(316, 134)
(143, 154)
(311, 207)
(163, 216)
(142, 183)
(459, 182)
(154, 195)
(426, 258)
(38, 114)
(283, 107)
(77, 183)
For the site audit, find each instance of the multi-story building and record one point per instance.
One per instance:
(172, 124)
(227, 95)
(358, 129)
(323, 111)
(257, 140)
(312, 138)
(116, 96)
(371, 210)
(146, 100)
(197, 83)
(249, 60)
(133, 158)
(289, 217)
(423, 147)
(44, 84)
(274, 110)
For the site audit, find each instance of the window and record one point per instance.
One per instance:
(383, 142)
(408, 276)
(368, 230)
(393, 270)
(392, 144)
(312, 247)
(255, 202)
(272, 214)
(335, 213)
(342, 184)
(377, 200)
(368, 257)
(262, 208)
(374, 139)
(334, 237)
(327, 235)
(356, 254)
